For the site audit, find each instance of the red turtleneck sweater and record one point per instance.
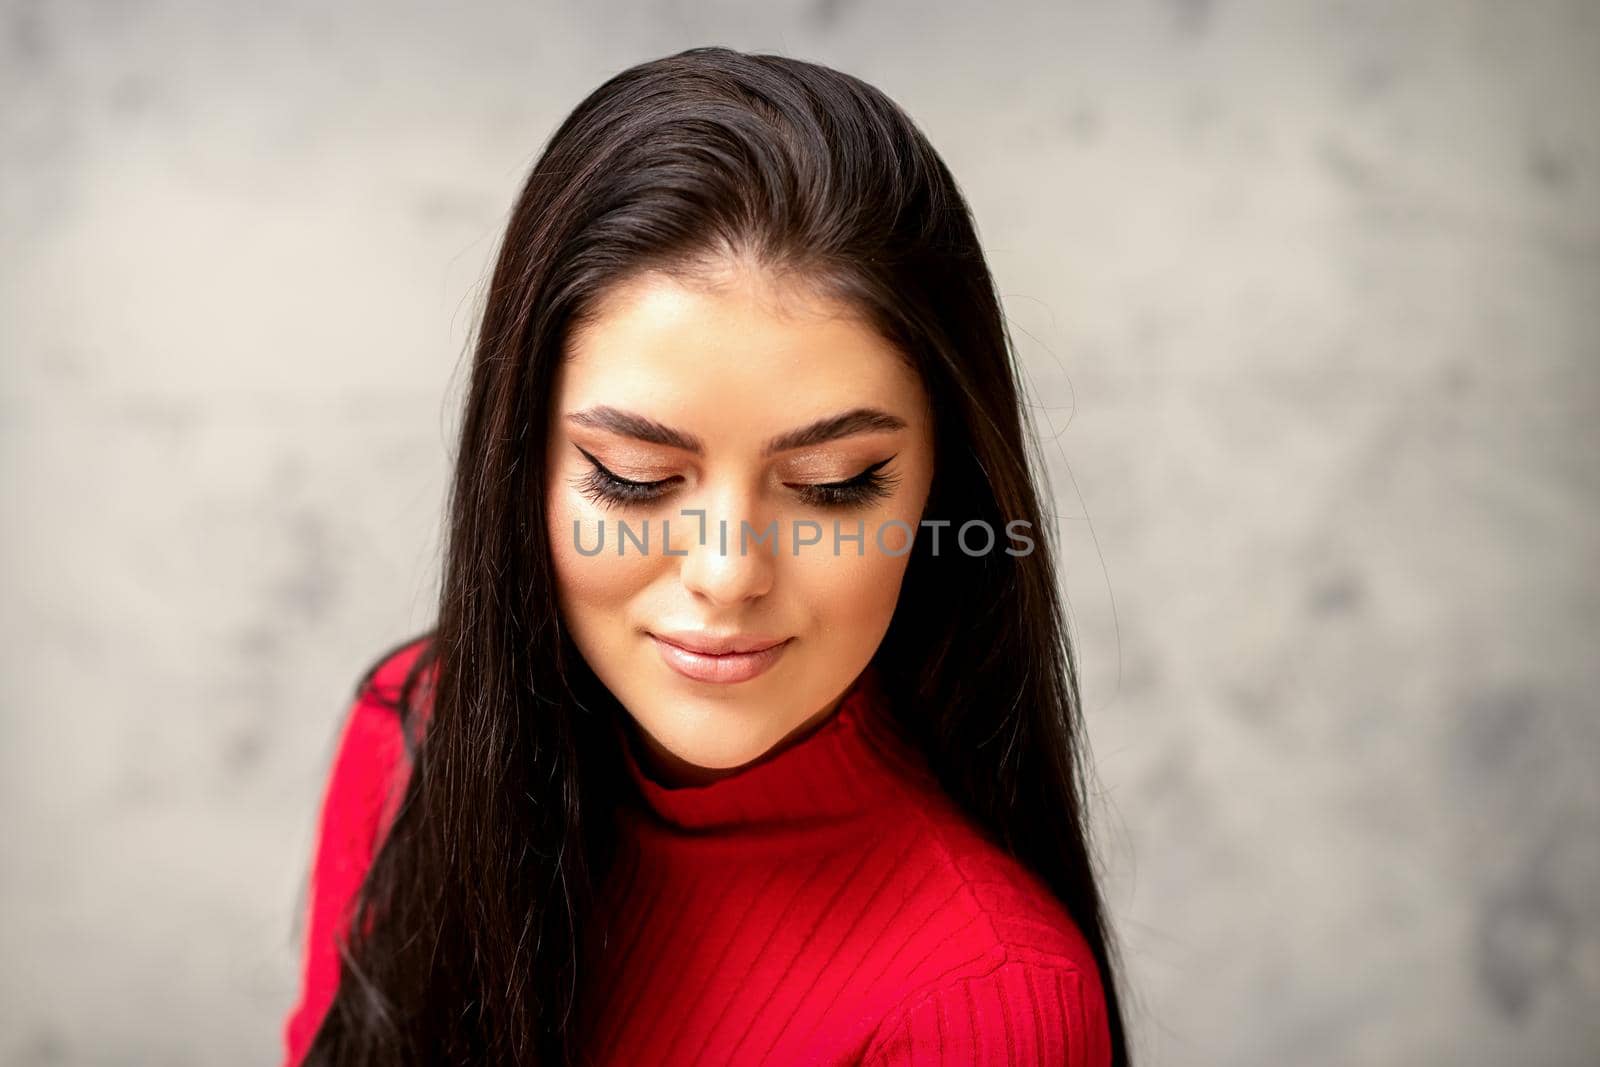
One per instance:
(828, 905)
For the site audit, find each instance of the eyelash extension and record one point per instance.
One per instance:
(868, 486)
(607, 489)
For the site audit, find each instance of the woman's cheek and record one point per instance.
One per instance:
(595, 586)
(854, 593)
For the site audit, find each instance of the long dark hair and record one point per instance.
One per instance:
(466, 932)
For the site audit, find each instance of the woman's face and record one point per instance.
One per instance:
(728, 400)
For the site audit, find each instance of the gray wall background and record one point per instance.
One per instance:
(1307, 293)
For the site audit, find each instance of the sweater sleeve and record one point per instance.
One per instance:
(1019, 1014)
(357, 803)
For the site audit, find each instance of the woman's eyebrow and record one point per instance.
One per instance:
(833, 427)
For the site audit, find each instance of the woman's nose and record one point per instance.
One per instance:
(734, 563)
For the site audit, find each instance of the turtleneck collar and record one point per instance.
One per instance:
(844, 767)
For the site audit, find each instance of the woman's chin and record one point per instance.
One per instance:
(698, 757)
(720, 754)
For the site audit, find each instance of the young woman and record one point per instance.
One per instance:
(749, 728)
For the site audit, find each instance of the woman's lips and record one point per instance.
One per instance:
(725, 669)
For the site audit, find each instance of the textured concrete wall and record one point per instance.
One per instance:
(1308, 296)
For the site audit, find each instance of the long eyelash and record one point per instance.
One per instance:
(866, 487)
(606, 489)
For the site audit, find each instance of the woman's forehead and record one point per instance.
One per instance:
(658, 341)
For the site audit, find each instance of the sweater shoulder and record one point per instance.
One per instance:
(384, 680)
(1007, 975)
(1015, 1013)
(991, 906)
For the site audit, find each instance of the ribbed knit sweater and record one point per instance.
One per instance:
(827, 905)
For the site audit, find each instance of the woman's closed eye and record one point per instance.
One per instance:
(607, 489)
